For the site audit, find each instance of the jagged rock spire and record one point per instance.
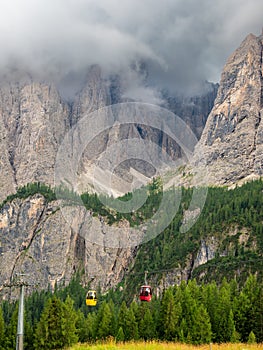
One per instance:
(231, 146)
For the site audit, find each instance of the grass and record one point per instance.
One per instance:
(111, 345)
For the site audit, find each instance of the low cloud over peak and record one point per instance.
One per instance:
(182, 42)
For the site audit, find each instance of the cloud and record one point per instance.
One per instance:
(182, 42)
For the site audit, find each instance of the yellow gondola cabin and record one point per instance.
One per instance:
(91, 298)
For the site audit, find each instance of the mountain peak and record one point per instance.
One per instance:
(232, 142)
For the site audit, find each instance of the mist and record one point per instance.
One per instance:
(182, 43)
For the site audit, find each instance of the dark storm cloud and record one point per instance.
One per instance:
(182, 41)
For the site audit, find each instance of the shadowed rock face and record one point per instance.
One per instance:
(232, 141)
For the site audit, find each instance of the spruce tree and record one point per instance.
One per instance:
(91, 326)
(200, 327)
(2, 330)
(131, 327)
(210, 300)
(251, 338)
(169, 316)
(224, 325)
(122, 316)
(246, 309)
(51, 329)
(120, 337)
(81, 326)
(11, 330)
(71, 317)
(104, 322)
(147, 329)
(113, 318)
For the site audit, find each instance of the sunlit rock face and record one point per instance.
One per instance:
(36, 239)
(231, 146)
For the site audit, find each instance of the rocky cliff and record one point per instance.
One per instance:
(33, 120)
(232, 142)
(36, 239)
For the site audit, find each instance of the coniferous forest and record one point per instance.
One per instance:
(190, 313)
(221, 301)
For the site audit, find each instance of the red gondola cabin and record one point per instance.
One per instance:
(146, 293)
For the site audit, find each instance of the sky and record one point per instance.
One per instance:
(182, 42)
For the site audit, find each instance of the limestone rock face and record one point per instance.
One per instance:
(94, 95)
(36, 239)
(33, 121)
(232, 141)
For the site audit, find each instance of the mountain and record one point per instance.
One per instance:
(231, 145)
(51, 240)
(34, 120)
(34, 235)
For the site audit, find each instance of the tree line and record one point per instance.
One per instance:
(189, 313)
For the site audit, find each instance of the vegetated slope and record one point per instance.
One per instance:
(225, 244)
(226, 241)
(36, 238)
